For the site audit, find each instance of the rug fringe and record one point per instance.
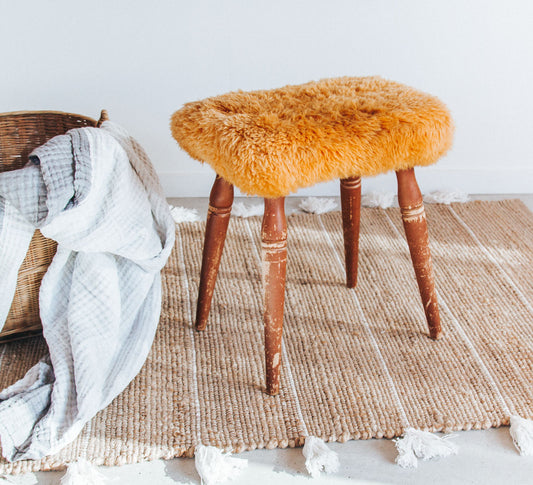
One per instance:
(522, 433)
(317, 205)
(6, 479)
(82, 472)
(214, 467)
(182, 214)
(416, 444)
(319, 458)
(240, 209)
(321, 205)
(378, 199)
(446, 197)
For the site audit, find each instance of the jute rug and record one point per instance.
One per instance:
(357, 363)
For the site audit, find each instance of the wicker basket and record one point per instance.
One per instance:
(20, 133)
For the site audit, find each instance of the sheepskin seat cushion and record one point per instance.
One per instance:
(271, 143)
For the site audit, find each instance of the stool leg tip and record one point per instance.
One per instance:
(200, 326)
(272, 390)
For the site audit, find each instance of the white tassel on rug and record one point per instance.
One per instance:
(319, 458)
(182, 214)
(416, 444)
(446, 197)
(316, 205)
(522, 433)
(82, 472)
(240, 209)
(6, 479)
(214, 466)
(378, 199)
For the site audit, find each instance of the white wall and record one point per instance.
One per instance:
(143, 59)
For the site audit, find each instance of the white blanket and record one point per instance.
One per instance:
(96, 193)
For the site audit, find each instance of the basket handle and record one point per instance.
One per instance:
(103, 117)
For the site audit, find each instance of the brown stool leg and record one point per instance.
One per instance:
(414, 223)
(274, 256)
(220, 202)
(351, 212)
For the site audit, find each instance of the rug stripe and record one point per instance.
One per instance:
(190, 324)
(499, 337)
(286, 362)
(330, 347)
(434, 370)
(467, 340)
(470, 290)
(231, 374)
(392, 387)
(494, 260)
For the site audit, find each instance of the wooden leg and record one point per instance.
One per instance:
(414, 223)
(274, 256)
(220, 202)
(351, 212)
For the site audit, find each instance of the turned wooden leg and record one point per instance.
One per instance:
(414, 223)
(274, 256)
(351, 212)
(218, 215)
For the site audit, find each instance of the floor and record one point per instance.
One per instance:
(485, 457)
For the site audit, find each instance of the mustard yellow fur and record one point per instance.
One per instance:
(273, 142)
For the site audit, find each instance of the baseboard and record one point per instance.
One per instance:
(471, 181)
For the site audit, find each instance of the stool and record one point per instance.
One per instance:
(273, 142)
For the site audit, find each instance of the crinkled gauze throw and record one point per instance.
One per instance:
(96, 193)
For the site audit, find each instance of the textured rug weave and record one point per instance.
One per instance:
(356, 363)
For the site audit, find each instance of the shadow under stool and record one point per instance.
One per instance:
(270, 143)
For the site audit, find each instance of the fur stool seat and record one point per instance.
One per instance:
(271, 143)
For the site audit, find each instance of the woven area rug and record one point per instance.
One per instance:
(357, 363)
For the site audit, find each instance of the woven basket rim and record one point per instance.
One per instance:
(39, 112)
